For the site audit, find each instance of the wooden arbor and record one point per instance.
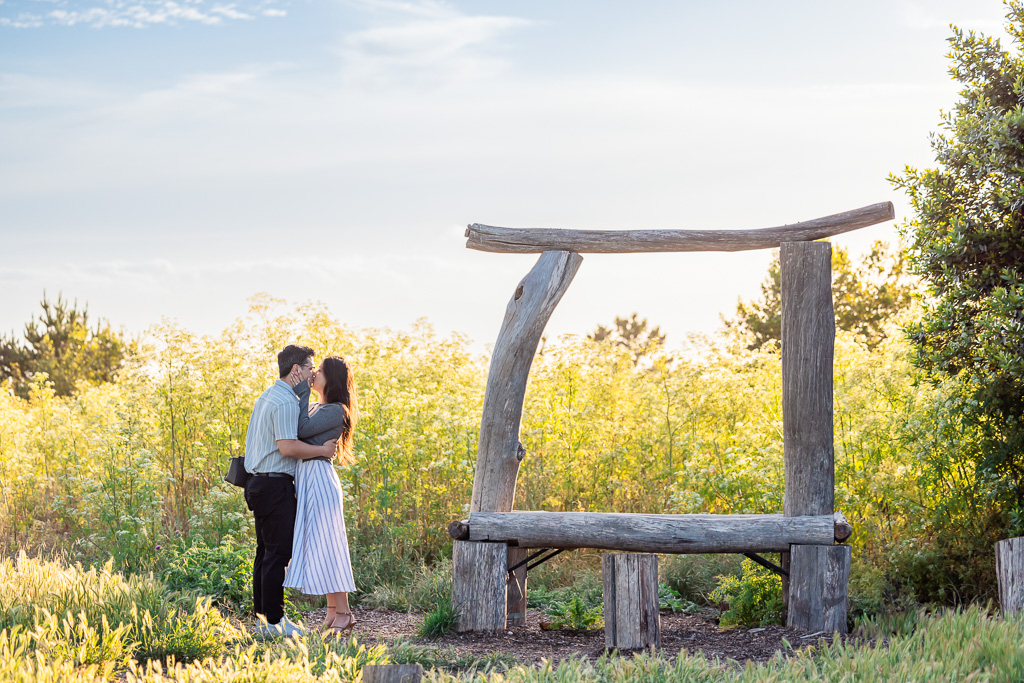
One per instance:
(485, 592)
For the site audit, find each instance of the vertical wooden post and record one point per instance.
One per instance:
(516, 610)
(631, 618)
(1010, 574)
(478, 585)
(499, 452)
(818, 579)
(392, 673)
(808, 345)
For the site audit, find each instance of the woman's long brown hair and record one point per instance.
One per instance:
(339, 387)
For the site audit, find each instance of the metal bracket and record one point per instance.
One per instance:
(530, 558)
(766, 564)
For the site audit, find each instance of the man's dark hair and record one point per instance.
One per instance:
(292, 355)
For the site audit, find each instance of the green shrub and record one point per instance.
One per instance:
(670, 600)
(755, 599)
(587, 587)
(223, 573)
(574, 614)
(694, 577)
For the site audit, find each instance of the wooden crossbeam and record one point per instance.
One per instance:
(535, 240)
(677, 534)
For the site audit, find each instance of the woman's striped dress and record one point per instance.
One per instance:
(320, 561)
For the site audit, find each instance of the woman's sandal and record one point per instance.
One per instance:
(340, 629)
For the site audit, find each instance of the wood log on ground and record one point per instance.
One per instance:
(516, 602)
(631, 619)
(479, 583)
(651, 533)
(819, 576)
(1010, 574)
(392, 673)
(499, 452)
(534, 240)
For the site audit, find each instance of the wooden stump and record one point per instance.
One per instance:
(479, 583)
(516, 603)
(631, 619)
(819, 576)
(392, 673)
(1010, 573)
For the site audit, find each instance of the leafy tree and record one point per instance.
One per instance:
(62, 345)
(865, 297)
(631, 334)
(967, 243)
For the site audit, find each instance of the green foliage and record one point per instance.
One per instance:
(670, 600)
(884, 625)
(222, 573)
(574, 614)
(866, 297)
(439, 621)
(96, 616)
(548, 587)
(967, 241)
(694, 577)
(60, 347)
(632, 335)
(754, 599)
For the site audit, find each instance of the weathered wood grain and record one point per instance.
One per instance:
(808, 340)
(534, 240)
(631, 619)
(631, 532)
(479, 583)
(499, 452)
(392, 673)
(818, 579)
(516, 602)
(843, 527)
(1010, 574)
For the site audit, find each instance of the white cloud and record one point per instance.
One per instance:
(423, 42)
(136, 14)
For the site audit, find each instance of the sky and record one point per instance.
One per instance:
(165, 159)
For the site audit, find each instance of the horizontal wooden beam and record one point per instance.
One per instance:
(535, 240)
(673, 534)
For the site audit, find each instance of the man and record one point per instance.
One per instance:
(272, 450)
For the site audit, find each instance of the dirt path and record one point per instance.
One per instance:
(529, 644)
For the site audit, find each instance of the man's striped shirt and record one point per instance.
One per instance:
(275, 416)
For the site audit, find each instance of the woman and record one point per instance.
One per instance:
(320, 563)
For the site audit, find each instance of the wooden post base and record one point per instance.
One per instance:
(479, 582)
(516, 609)
(1010, 574)
(392, 673)
(819, 577)
(631, 619)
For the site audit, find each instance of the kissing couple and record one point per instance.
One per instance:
(294, 492)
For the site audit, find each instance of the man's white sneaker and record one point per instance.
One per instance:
(287, 629)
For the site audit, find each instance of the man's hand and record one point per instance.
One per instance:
(332, 445)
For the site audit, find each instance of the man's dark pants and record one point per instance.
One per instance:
(272, 501)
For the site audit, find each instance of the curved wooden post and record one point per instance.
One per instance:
(499, 452)
(479, 569)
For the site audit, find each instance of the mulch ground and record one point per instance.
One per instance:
(530, 644)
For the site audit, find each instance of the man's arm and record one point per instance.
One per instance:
(300, 450)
